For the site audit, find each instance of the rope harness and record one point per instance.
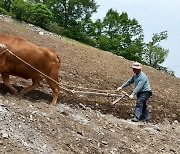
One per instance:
(97, 92)
(3, 52)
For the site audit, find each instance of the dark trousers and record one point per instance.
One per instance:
(141, 109)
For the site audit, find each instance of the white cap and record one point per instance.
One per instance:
(136, 65)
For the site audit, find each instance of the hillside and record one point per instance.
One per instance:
(82, 123)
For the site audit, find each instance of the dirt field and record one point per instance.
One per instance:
(82, 123)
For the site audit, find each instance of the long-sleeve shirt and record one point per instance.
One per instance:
(141, 83)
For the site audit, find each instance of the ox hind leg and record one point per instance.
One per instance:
(5, 78)
(55, 88)
(35, 84)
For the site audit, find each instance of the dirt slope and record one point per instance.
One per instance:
(81, 123)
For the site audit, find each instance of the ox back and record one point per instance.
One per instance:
(43, 59)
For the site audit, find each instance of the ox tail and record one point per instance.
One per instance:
(58, 59)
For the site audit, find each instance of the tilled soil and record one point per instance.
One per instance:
(82, 123)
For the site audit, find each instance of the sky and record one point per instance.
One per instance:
(154, 16)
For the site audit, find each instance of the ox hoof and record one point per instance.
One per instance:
(52, 105)
(21, 95)
(23, 92)
(15, 92)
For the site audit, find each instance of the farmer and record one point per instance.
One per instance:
(142, 91)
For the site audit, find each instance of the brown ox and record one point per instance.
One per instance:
(43, 59)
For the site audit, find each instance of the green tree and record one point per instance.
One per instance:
(71, 11)
(97, 29)
(86, 30)
(154, 54)
(124, 36)
(91, 31)
(70, 14)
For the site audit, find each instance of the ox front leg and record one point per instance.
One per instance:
(5, 78)
(35, 84)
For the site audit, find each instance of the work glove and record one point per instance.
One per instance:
(131, 96)
(119, 89)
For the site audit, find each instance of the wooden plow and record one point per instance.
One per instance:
(105, 93)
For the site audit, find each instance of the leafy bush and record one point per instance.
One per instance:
(19, 9)
(3, 11)
(55, 28)
(40, 15)
(166, 70)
